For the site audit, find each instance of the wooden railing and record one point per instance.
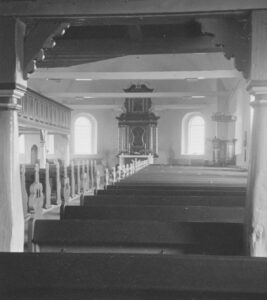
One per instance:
(116, 174)
(44, 112)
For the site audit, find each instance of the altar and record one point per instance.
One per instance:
(128, 158)
(137, 125)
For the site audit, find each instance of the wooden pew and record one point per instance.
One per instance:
(135, 277)
(65, 185)
(210, 200)
(45, 180)
(92, 174)
(54, 177)
(24, 194)
(136, 236)
(36, 197)
(72, 178)
(111, 236)
(173, 192)
(170, 213)
(29, 179)
(146, 187)
(77, 170)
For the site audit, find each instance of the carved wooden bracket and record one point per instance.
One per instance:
(39, 37)
(233, 35)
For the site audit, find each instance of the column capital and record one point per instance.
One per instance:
(10, 96)
(258, 89)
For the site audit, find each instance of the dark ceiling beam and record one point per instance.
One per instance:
(73, 52)
(79, 8)
(148, 19)
(233, 36)
(40, 37)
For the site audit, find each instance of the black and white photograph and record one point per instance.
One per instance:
(133, 149)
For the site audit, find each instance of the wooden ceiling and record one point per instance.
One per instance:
(89, 43)
(94, 39)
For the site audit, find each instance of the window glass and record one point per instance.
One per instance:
(83, 136)
(22, 144)
(196, 135)
(51, 144)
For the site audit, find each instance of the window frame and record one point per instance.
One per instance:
(51, 144)
(93, 124)
(185, 147)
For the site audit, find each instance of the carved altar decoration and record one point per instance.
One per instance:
(138, 132)
(223, 117)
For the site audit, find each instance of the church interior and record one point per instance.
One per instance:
(132, 149)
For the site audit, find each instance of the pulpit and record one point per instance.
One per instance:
(223, 152)
(138, 134)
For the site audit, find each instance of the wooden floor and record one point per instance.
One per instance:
(180, 176)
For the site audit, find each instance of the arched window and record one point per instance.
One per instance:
(85, 135)
(193, 134)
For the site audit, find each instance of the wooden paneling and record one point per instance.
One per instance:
(42, 112)
(101, 8)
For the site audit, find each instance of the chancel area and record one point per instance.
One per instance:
(133, 150)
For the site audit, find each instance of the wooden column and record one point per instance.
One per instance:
(257, 182)
(256, 206)
(11, 207)
(12, 88)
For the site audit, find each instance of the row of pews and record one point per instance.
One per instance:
(57, 184)
(132, 241)
(155, 219)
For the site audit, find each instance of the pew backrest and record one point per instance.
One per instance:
(116, 276)
(80, 236)
(209, 200)
(137, 237)
(171, 213)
